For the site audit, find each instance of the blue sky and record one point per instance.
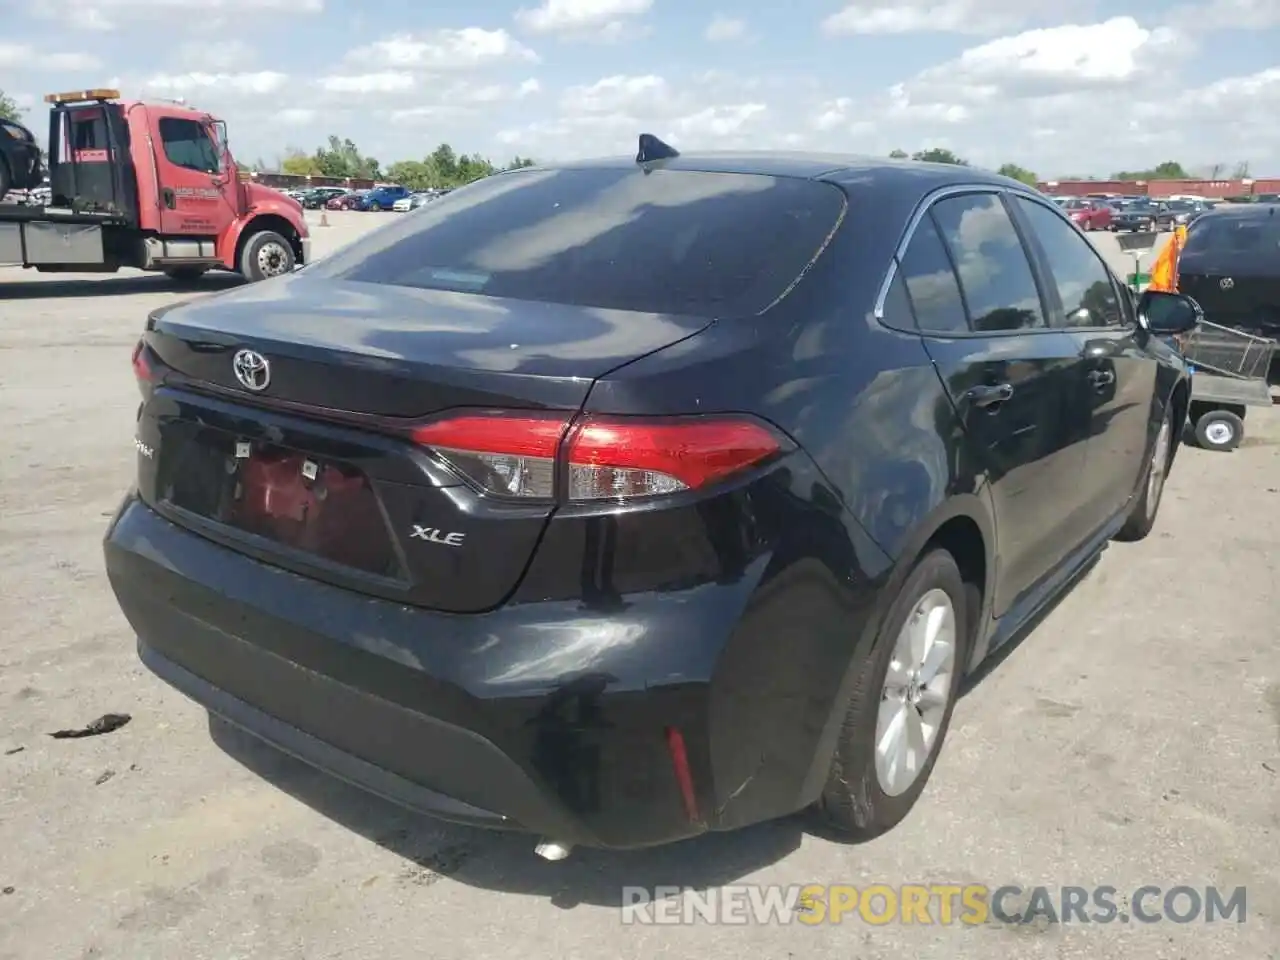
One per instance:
(1108, 84)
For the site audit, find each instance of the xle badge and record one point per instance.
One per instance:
(435, 535)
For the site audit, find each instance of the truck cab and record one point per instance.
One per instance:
(153, 186)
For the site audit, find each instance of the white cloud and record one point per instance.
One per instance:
(464, 49)
(606, 117)
(582, 19)
(720, 122)
(216, 55)
(1228, 15)
(21, 57)
(944, 16)
(616, 95)
(722, 29)
(245, 84)
(111, 14)
(1056, 60)
(389, 81)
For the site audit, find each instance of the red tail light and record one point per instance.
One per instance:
(603, 458)
(142, 368)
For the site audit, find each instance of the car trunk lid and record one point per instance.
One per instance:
(317, 470)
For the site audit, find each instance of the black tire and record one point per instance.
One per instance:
(1219, 430)
(853, 803)
(266, 254)
(375, 207)
(185, 274)
(1143, 515)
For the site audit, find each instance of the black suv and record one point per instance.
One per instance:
(1231, 265)
(20, 164)
(624, 500)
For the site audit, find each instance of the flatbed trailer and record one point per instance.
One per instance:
(153, 187)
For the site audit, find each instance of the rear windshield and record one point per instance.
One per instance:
(1239, 235)
(705, 244)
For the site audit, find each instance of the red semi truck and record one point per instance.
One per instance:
(152, 186)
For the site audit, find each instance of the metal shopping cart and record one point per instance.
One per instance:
(1228, 375)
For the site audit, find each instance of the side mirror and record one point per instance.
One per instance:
(1162, 313)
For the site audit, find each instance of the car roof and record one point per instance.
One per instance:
(834, 167)
(1238, 211)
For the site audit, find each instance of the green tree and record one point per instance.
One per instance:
(342, 158)
(443, 167)
(897, 155)
(414, 174)
(1169, 170)
(939, 155)
(9, 109)
(299, 164)
(1241, 171)
(1016, 172)
(444, 162)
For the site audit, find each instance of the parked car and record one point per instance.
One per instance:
(411, 202)
(1184, 212)
(382, 198)
(1231, 265)
(618, 529)
(20, 159)
(349, 200)
(317, 197)
(1136, 215)
(1090, 213)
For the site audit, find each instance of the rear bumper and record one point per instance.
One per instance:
(545, 717)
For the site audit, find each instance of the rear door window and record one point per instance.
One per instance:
(704, 244)
(995, 273)
(931, 282)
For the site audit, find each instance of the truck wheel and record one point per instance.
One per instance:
(185, 274)
(266, 254)
(375, 207)
(1219, 430)
(901, 704)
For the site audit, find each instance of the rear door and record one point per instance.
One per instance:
(1010, 376)
(1231, 266)
(1118, 375)
(190, 168)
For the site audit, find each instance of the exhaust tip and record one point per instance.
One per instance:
(551, 850)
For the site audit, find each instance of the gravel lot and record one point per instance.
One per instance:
(1132, 738)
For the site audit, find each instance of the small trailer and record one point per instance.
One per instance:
(1228, 375)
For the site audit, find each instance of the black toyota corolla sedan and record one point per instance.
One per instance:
(624, 500)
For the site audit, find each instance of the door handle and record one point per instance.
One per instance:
(1101, 378)
(989, 395)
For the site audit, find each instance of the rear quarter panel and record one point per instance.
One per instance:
(866, 406)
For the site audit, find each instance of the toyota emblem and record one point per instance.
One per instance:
(251, 369)
(1226, 283)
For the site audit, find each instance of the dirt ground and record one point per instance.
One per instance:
(1133, 738)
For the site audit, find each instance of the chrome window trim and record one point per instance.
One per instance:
(918, 214)
(961, 189)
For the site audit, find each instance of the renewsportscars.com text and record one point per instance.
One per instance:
(932, 904)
